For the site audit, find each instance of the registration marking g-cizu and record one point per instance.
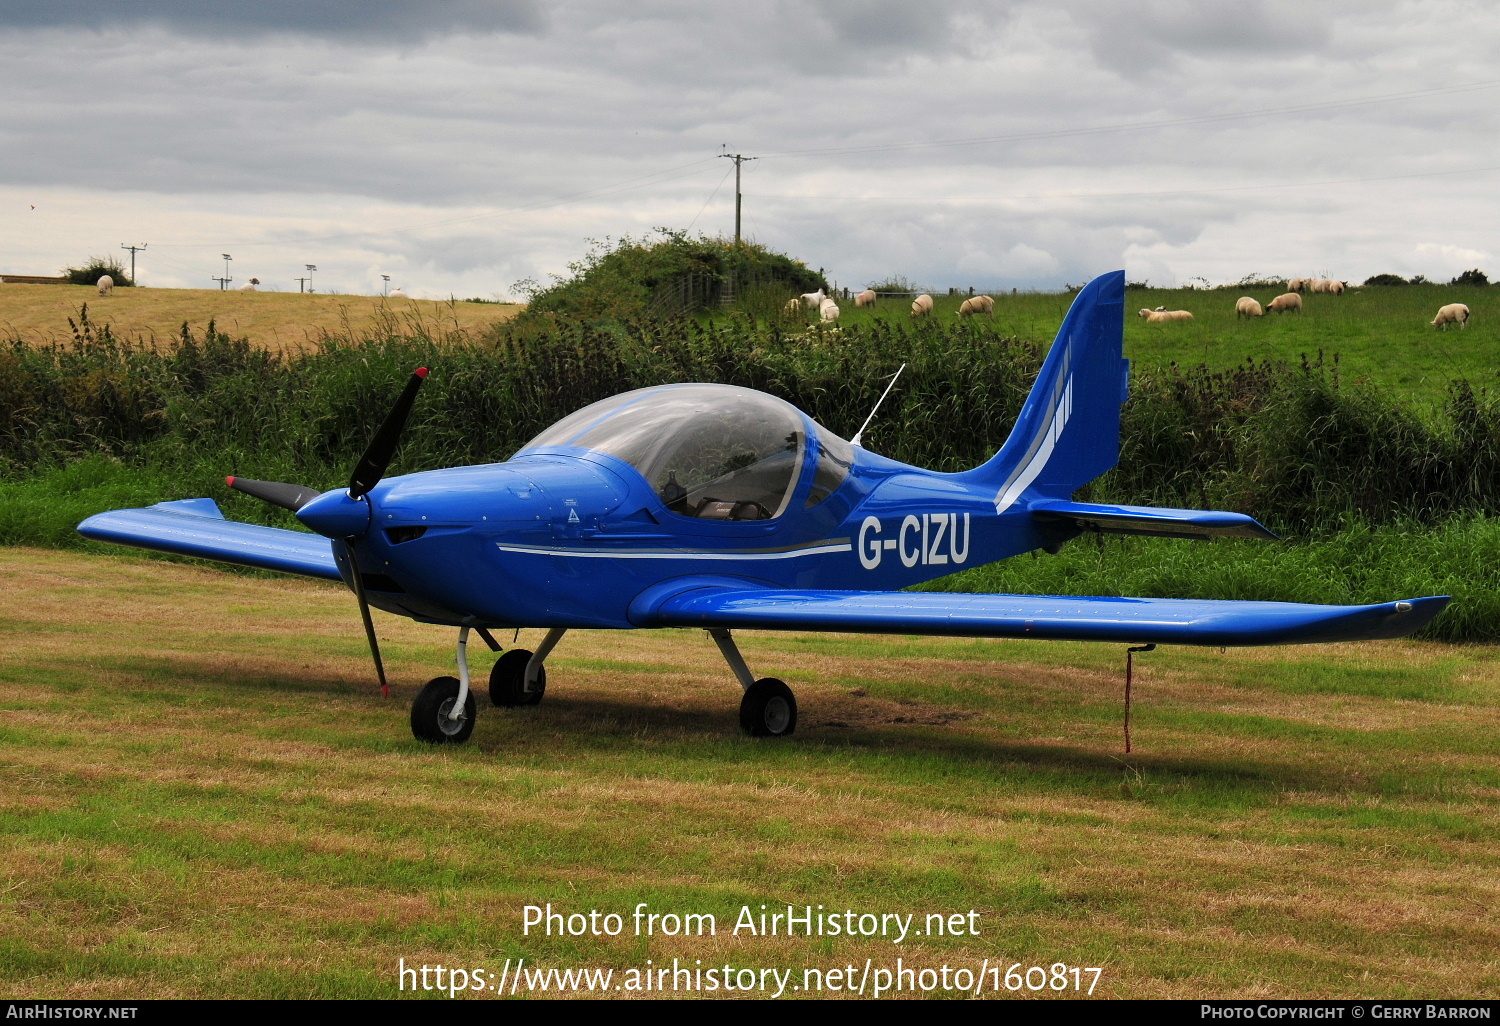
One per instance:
(931, 539)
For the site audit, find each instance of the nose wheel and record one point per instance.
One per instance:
(432, 718)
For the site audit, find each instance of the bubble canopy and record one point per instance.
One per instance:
(716, 452)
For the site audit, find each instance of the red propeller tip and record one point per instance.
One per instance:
(229, 481)
(421, 372)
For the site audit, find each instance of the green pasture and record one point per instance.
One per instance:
(1381, 335)
(204, 795)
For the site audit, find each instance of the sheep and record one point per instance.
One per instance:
(813, 300)
(792, 307)
(1336, 288)
(1285, 302)
(1453, 313)
(828, 311)
(1297, 284)
(249, 286)
(106, 284)
(396, 293)
(865, 298)
(1326, 286)
(1247, 307)
(1167, 316)
(921, 306)
(976, 305)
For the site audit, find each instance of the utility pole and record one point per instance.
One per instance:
(387, 287)
(224, 281)
(738, 158)
(133, 251)
(310, 269)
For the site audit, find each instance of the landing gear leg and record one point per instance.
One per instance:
(768, 709)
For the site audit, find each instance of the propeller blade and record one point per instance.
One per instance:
(364, 612)
(382, 447)
(287, 496)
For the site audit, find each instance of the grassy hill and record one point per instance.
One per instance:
(275, 320)
(1382, 336)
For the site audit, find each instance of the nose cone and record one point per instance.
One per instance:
(335, 515)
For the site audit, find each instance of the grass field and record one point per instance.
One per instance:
(204, 795)
(1382, 335)
(276, 320)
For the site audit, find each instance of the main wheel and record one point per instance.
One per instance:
(769, 709)
(508, 680)
(429, 713)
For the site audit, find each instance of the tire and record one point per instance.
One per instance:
(769, 709)
(508, 680)
(429, 713)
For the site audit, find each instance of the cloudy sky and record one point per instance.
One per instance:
(462, 145)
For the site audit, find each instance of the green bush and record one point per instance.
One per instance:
(90, 272)
(616, 284)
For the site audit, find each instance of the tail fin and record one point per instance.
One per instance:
(1068, 432)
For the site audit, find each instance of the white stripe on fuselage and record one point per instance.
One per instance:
(539, 550)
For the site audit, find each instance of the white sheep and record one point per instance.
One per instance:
(921, 306)
(828, 311)
(1247, 307)
(977, 305)
(1297, 284)
(249, 286)
(1167, 316)
(106, 284)
(1285, 302)
(396, 293)
(1453, 313)
(813, 300)
(865, 298)
(792, 307)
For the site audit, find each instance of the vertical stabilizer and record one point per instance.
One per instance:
(1068, 432)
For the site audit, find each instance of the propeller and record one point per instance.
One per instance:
(371, 466)
(287, 496)
(340, 516)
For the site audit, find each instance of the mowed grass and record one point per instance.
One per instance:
(276, 320)
(1383, 336)
(204, 795)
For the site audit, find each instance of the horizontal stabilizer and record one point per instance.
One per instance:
(196, 527)
(711, 602)
(1148, 520)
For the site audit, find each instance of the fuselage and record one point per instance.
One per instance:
(569, 535)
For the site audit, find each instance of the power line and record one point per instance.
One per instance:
(627, 185)
(707, 201)
(1181, 192)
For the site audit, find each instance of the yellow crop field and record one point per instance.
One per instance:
(278, 320)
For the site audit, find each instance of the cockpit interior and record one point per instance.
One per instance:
(714, 452)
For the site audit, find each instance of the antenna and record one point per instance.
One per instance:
(860, 433)
(224, 281)
(387, 279)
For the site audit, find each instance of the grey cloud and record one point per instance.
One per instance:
(1153, 37)
(367, 20)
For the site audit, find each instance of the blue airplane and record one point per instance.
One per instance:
(723, 508)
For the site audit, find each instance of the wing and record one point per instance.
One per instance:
(195, 527)
(718, 602)
(1149, 520)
